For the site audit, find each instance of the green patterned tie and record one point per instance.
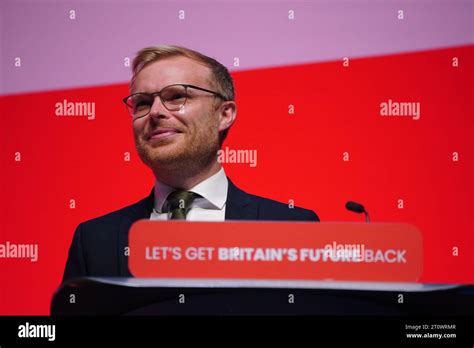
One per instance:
(180, 203)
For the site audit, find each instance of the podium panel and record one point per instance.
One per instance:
(135, 296)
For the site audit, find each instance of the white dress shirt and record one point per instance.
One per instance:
(209, 207)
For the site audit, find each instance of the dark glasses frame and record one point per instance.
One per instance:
(154, 95)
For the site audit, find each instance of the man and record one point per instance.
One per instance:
(182, 106)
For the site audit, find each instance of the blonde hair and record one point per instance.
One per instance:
(221, 79)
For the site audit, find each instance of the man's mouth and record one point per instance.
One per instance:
(162, 133)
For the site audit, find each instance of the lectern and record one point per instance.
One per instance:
(136, 296)
(267, 268)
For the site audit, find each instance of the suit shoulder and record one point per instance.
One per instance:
(110, 219)
(270, 209)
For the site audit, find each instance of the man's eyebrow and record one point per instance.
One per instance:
(140, 91)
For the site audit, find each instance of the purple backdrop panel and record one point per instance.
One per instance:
(65, 44)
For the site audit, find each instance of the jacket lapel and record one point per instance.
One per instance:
(239, 204)
(140, 210)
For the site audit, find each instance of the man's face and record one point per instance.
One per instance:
(180, 139)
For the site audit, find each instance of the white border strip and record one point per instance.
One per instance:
(279, 284)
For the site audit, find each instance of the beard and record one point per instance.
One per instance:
(184, 154)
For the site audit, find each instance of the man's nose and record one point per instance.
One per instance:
(157, 109)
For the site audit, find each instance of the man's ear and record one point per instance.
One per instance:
(227, 115)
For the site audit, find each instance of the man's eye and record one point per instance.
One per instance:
(177, 96)
(141, 103)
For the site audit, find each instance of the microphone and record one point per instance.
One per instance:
(357, 208)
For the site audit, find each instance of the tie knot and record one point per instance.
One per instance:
(180, 202)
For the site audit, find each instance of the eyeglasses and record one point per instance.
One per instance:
(173, 97)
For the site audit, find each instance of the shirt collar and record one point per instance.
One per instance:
(213, 189)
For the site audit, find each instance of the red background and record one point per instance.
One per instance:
(300, 157)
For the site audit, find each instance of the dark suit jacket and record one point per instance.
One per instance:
(98, 245)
